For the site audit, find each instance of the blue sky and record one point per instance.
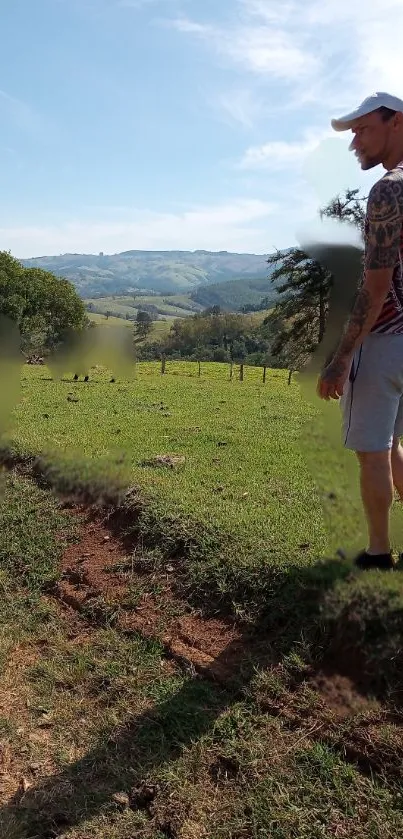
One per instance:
(181, 124)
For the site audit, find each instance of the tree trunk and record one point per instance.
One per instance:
(322, 314)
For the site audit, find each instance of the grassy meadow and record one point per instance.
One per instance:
(178, 305)
(159, 329)
(241, 486)
(103, 737)
(242, 491)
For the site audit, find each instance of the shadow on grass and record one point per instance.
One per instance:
(324, 612)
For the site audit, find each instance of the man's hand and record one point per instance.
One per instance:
(333, 378)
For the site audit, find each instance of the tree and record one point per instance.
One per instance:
(211, 310)
(43, 306)
(144, 324)
(350, 208)
(297, 324)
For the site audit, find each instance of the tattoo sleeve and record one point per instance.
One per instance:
(384, 223)
(356, 323)
(383, 232)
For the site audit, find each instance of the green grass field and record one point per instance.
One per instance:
(101, 320)
(259, 483)
(259, 487)
(102, 734)
(244, 481)
(103, 737)
(174, 306)
(160, 328)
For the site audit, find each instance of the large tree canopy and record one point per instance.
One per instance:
(43, 306)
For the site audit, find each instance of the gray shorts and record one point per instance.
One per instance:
(372, 403)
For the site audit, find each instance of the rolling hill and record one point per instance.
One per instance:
(163, 272)
(230, 296)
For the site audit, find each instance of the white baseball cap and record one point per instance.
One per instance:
(372, 103)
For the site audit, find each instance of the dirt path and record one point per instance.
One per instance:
(100, 579)
(106, 581)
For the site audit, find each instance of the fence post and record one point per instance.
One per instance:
(199, 369)
(264, 375)
(241, 373)
(163, 362)
(231, 371)
(290, 376)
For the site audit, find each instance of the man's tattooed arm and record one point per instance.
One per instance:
(384, 225)
(365, 313)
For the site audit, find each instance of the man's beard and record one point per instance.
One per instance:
(368, 163)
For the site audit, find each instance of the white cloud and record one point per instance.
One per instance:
(237, 105)
(259, 49)
(278, 154)
(275, 11)
(362, 35)
(238, 226)
(304, 62)
(267, 51)
(183, 24)
(328, 51)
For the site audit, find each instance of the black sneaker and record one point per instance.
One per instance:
(366, 561)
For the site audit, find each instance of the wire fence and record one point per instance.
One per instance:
(212, 370)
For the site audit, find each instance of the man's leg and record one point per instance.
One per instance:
(372, 419)
(377, 497)
(397, 465)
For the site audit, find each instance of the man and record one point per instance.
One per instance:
(367, 368)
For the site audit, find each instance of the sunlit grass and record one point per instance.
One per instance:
(247, 448)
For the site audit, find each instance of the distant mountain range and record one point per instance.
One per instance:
(158, 271)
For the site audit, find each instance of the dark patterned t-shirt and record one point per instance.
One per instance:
(384, 241)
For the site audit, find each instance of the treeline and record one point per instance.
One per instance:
(214, 335)
(237, 295)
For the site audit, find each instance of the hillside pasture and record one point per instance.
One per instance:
(180, 305)
(242, 487)
(191, 658)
